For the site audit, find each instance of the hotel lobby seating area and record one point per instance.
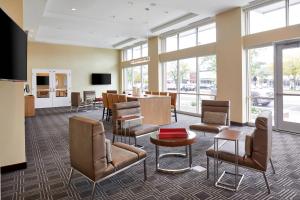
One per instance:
(46, 176)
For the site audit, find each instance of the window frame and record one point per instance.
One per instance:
(139, 45)
(141, 73)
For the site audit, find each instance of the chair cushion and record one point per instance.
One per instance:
(108, 150)
(122, 157)
(140, 152)
(210, 128)
(214, 118)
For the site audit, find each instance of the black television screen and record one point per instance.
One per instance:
(13, 50)
(42, 80)
(101, 79)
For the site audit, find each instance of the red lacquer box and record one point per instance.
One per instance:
(170, 133)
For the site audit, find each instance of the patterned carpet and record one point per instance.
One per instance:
(48, 167)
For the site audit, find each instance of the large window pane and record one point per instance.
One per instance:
(267, 17)
(145, 50)
(294, 13)
(137, 78)
(207, 75)
(129, 54)
(137, 52)
(145, 77)
(261, 81)
(171, 79)
(171, 43)
(187, 39)
(187, 75)
(188, 103)
(207, 34)
(128, 80)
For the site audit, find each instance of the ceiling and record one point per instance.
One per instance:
(103, 23)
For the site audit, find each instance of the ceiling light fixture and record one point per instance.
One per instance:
(73, 9)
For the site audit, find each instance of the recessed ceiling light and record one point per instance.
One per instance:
(152, 4)
(147, 9)
(130, 3)
(73, 9)
(130, 18)
(166, 12)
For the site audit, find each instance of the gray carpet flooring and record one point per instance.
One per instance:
(47, 152)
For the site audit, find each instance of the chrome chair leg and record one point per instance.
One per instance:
(272, 166)
(145, 170)
(70, 176)
(267, 184)
(207, 167)
(93, 191)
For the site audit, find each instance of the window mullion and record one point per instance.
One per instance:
(287, 11)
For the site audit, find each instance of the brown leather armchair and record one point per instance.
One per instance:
(94, 157)
(136, 128)
(213, 106)
(254, 152)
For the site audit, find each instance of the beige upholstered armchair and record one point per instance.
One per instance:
(215, 116)
(254, 152)
(135, 128)
(76, 101)
(94, 156)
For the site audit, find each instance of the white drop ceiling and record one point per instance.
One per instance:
(103, 23)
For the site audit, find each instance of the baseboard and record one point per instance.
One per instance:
(233, 123)
(15, 167)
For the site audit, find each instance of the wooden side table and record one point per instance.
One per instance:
(230, 135)
(176, 142)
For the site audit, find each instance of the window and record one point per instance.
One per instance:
(128, 54)
(272, 16)
(171, 43)
(207, 34)
(135, 52)
(260, 81)
(187, 39)
(145, 50)
(136, 76)
(193, 82)
(207, 75)
(294, 14)
(197, 36)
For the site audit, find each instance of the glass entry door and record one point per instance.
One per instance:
(51, 88)
(288, 86)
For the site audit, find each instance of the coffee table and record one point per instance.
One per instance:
(176, 142)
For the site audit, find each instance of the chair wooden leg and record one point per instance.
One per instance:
(267, 184)
(145, 170)
(272, 166)
(93, 190)
(207, 167)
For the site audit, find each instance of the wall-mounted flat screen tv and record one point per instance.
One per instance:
(101, 79)
(42, 80)
(13, 48)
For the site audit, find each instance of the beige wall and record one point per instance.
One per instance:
(82, 61)
(12, 131)
(230, 64)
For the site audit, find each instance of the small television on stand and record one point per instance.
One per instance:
(101, 79)
(13, 50)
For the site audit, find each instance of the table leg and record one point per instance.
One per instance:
(156, 156)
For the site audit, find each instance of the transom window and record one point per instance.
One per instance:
(135, 52)
(272, 15)
(189, 38)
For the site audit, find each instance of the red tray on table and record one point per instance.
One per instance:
(172, 133)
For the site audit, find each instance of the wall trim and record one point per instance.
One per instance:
(14, 167)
